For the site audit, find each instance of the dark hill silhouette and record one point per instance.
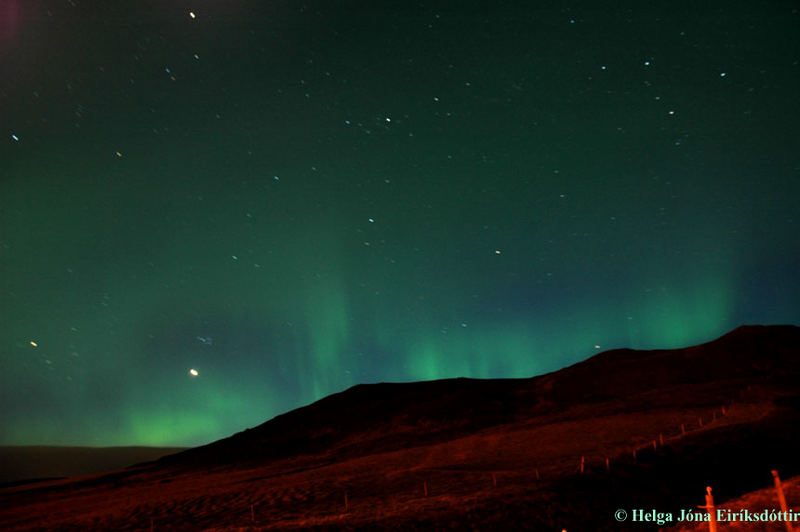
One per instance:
(622, 429)
(386, 416)
(748, 352)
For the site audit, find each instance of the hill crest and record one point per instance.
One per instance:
(426, 411)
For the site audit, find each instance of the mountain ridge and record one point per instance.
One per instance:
(627, 372)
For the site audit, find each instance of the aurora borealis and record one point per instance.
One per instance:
(292, 198)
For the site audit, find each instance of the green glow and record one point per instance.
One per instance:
(425, 363)
(167, 427)
(683, 312)
(328, 326)
(523, 349)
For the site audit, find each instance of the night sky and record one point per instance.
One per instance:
(215, 212)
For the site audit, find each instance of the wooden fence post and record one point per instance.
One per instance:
(583, 461)
(661, 439)
(608, 464)
(683, 429)
(782, 500)
(712, 513)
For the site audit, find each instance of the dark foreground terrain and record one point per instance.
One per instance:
(622, 430)
(756, 502)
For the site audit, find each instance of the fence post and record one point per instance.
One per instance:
(583, 460)
(661, 439)
(712, 513)
(683, 429)
(608, 465)
(782, 500)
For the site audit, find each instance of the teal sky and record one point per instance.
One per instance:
(293, 198)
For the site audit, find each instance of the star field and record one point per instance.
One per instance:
(213, 213)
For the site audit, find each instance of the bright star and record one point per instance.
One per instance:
(193, 372)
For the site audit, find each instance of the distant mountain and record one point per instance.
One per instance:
(621, 430)
(27, 462)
